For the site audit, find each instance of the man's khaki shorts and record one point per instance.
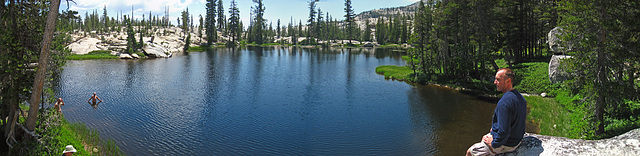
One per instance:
(482, 149)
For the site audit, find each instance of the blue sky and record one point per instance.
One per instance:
(275, 9)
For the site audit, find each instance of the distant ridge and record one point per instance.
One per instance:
(408, 10)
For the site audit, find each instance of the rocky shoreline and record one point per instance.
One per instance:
(161, 42)
(534, 145)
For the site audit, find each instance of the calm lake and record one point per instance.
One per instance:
(270, 101)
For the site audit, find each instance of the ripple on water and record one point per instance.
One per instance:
(259, 103)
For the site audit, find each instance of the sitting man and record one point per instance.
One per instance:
(508, 125)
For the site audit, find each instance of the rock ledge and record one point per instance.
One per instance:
(534, 144)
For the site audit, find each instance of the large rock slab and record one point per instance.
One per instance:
(125, 56)
(627, 144)
(556, 69)
(84, 45)
(155, 50)
(368, 44)
(166, 41)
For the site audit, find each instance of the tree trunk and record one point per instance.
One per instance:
(601, 93)
(42, 65)
(600, 89)
(11, 102)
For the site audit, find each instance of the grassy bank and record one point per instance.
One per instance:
(96, 54)
(405, 73)
(548, 117)
(562, 114)
(59, 133)
(565, 114)
(197, 49)
(99, 54)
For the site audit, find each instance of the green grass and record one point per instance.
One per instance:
(68, 137)
(533, 77)
(548, 116)
(351, 45)
(390, 45)
(579, 115)
(270, 44)
(196, 49)
(91, 137)
(62, 133)
(394, 72)
(96, 54)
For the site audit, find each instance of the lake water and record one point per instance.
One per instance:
(269, 101)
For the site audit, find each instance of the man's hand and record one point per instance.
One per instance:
(487, 139)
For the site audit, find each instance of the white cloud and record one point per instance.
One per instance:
(157, 7)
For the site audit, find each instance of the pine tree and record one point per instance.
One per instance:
(349, 19)
(187, 43)
(278, 29)
(210, 22)
(602, 38)
(327, 28)
(140, 43)
(420, 38)
(269, 33)
(221, 17)
(185, 21)
(292, 32)
(259, 22)
(312, 20)
(405, 30)
(105, 20)
(234, 18)
(131, 36)
(366, 36)
(201, 21)
(318, 28)
(381, 31)
(300, 32)
(391, 30)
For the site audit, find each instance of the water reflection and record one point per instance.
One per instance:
(272, 101)
(448, 120)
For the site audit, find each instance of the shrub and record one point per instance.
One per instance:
(140, 54)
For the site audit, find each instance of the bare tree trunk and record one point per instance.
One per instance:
(42, 64)
(601, 94)
(11, 102)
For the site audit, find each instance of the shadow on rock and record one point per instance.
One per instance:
(530, 145)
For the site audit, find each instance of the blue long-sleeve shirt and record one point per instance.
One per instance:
(508, 125)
